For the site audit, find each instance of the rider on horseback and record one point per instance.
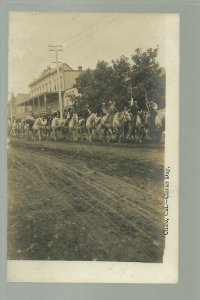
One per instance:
(104, 111)
(112, 109)
(133, 109)
(69, 113)
(153, 105)
(152, 110)
(86, 112)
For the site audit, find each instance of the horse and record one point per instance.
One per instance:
(91, 126)
(65, 127)
(28, 124)
(139, 126)
(36, 129)
(115, 123)
(73, 127)
(82, 128)
(154, 124)
(46, 126)
(56, 125)
(105, 126)
(119, 124)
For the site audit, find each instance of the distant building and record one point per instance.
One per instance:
(16, 105)
(43, 94)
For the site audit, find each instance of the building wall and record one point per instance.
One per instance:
(47, 84)
(70, 79)
(50, 82)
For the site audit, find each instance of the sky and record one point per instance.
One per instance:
(85, 37)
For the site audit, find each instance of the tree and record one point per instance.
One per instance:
(147, 77)
(95, 85)
(115, 81)
(121, 72)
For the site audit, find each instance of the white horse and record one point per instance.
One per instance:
(55, 126)
(121, 120)
(114, 124)
(90, 125)
(105, 127)
(36, 129)
(73, 127)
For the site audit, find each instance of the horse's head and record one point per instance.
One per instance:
(39, 121)
(94, 117)
(75, 118)
(127, 116)
(44, 121)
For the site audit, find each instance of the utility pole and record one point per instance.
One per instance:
(131, 89)
(57, 48)
(131, 94)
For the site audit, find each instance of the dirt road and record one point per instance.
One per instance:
(72, 201)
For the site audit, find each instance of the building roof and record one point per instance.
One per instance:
(48, 71)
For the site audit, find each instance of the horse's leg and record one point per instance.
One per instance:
(104, 133)
(118, 136)
(81, 133)
(55, 134)
(46, 134)
(75, 135)
(159, 134)
(109, 134)
(33, 134)
(13, 130)
(143, 135)
(39, 134)
(71, 134)
(88, 134)
(132, 133)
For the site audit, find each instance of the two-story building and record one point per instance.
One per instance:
(43, 94)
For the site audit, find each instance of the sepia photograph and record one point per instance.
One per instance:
(92, 153)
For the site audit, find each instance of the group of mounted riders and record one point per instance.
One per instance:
(130, 123)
